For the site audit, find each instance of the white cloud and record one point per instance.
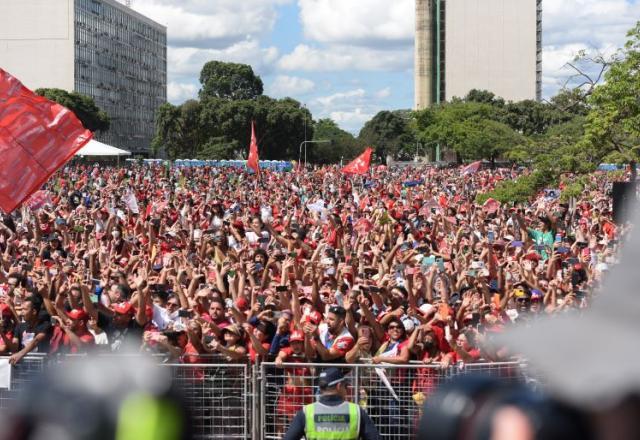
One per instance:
(352, 120)
(596, 23)
(177, 93)
(383, 93)
(338, 58)
(209, 23)
(188, 61)
(351, 95)
(359, 22)
(290, 86)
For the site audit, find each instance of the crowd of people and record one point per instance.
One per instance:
(400, 265)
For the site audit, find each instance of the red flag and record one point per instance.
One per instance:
(491, 205)
(37, 137)
(472, 168)
(252, 161)
(360, 165)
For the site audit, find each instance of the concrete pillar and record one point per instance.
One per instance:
(423, 59)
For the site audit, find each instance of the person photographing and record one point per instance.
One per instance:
(332, 417)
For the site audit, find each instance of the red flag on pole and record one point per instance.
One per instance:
(472, 168)
(37, 137)
(252, 161)
(360, 165)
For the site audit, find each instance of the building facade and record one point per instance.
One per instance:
(493, 45)
(100, 48)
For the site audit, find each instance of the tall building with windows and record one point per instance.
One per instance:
(100, 48)
(493, 45)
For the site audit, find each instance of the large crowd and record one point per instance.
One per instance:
(310, 266)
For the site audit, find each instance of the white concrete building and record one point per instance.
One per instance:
(99, 48)
(493, 45)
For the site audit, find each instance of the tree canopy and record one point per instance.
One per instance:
(612, 129)
(389, 133)
(218, 126)
(83, 106)
(229, 81)
(342, 145)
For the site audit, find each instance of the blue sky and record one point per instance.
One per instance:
(349, 59)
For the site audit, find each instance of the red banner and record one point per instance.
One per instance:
(252, 161)
(472, 168)
(360, 165)
(37, 137)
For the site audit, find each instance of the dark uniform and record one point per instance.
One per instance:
(332, 417)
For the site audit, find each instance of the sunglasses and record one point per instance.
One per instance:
(523, 300)
(393, 327)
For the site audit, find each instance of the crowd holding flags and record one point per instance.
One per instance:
(359, 165)
(37, 137)
(253, 159)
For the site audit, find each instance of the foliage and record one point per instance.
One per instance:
(218, 126)
(484, 97)
(169, 129)
(520, 190)
(389, 133)
(612, 129)
(229, 81)
(473, 130)
(532, 117)
(83, 106)
(342, 145)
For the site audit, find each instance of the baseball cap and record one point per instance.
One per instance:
(296, 336)
(123, 308)
(338, 310)
(234, 329)
(76, 314)
(5, 310)
(330, 377)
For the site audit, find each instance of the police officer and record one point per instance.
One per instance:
(332, 417)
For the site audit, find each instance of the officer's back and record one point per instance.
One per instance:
(331, 417)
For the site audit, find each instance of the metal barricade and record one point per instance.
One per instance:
(391, 394)
(218, 398)
(22, 374)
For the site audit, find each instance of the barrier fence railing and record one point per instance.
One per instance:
(243, 400)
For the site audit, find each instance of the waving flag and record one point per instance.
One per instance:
(491, 205)
(472, 168)
(252, 161)
(360, 165)
(37, 137)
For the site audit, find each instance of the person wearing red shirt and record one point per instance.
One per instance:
(333, 341)
(6, 328)
(297, 391)
(74, 336)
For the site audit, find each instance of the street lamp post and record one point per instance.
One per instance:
(321, 141)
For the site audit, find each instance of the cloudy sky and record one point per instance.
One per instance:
(349, 59)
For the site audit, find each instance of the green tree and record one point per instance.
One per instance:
(612, 129)
(532, 117)
(473, 130)
(169, 126)
(389, 133)
(229, 81)
(280, 124)
(484, 97)
(83, 106)
(342, 145)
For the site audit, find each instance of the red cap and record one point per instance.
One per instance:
(314, 318)
(76, 314)
(532, 256)
(5, 310)
(123, 308)
(242, 304)
(296, 336)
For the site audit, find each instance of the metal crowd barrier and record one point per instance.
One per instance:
(393, 395)
(245, 401)
(22, 375)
